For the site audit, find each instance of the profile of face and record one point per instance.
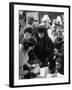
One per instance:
(27, 34)
(30, 20)
(20, 12)
(45, 23)
(35, 23)
(41, 35)
(59, 33)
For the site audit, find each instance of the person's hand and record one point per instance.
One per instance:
(31, 67)
(54, 57)
(35, 70)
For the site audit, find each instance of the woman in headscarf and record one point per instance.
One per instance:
(27, 43)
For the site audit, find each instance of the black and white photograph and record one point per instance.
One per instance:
(41, 44)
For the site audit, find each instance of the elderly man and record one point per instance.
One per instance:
(46, 21)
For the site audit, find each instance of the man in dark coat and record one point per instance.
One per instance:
(44, 47)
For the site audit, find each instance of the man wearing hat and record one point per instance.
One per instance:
(44, 46)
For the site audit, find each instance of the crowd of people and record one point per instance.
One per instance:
(41, 45)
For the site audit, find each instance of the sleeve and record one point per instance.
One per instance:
(23, 57)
